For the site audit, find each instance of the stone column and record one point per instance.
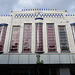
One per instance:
(33, 43)
(8, 38)
(57, 38)
(45, 44)
(21, 38)
(70, 38)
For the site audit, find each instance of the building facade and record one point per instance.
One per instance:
(38, 36)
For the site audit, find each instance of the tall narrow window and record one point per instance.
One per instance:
(39, 37)
(27, 37)
(73, 30)
(3, 29)
(51, 37)
(63, 38)
(15, 39)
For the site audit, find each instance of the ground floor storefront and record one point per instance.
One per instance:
(37, 69)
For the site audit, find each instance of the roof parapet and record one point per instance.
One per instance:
(70, 14)
(39, 9)
(5, 15)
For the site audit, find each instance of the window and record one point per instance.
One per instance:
(39, 37)
(73, 31)
(3, 29)
(15, 39)
(51, 37)
(63, 38)
(27, 37)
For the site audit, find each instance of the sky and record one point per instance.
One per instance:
(6, 6)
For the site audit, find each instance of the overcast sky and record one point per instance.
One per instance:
(6, 6)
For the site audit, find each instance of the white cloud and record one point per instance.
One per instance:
(8, 5)
(71, 9)
(27, 4)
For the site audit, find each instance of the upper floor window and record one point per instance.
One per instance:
(39, 37)
(15, 39)
(51, 37)
(3, 29)
(27, 37)
(63, 38)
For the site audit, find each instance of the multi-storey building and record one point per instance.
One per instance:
(38, 41)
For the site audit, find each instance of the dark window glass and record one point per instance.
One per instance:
(54, 71)
(63, 38)
(51, 38)
(3, 30)
(15, 39)
(39, 37)
(27, 37)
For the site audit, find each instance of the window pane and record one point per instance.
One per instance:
(39, 37)
(63, 38)
(54, 71)
(15, 39)
(51, 38)
(27, 37)
(3, 30)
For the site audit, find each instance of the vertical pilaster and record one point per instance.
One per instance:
(21, 38)
(74, 33)
(33, 43)
(70, 38)
(45, 44)
(57, 38)
(8, 39)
